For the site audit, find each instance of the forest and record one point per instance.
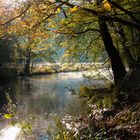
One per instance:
(70, 69)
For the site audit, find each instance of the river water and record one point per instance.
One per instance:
(39, 96)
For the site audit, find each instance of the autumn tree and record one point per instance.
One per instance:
(107, 12)
(22, 22)
(29, 47)
(102, 16)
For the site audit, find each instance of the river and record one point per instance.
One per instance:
(39, 96)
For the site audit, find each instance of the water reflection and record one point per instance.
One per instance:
(42, 95)
(49, 93)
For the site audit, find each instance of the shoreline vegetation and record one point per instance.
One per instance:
(108, 118)
(44, 69)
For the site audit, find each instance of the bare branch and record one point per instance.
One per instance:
(114, 19)
(43, 20)
(124, 10)
(90, 29)
(105, 17)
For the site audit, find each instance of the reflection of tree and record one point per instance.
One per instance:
(3, 99)
(75, 106)
(50, 103)
(39, 95)
(27, 86)
(8, 91)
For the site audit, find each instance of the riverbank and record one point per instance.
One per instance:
(44, 69)
(108, 119)
(51, 68)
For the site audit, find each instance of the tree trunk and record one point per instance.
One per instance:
(116, 62)
(27, 66)
(126, 51)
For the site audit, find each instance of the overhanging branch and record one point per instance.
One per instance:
(105, 17)
(87, 30)
(124, 10)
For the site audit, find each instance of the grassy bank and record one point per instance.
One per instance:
(56, 68)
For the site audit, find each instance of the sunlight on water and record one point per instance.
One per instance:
(9, 133)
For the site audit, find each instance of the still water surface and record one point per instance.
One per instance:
(39, 96)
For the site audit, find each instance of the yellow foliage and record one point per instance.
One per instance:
(74, 9)
(106, 6)
(9, 116)
(63, 21)
(58, 10)
(52, 26)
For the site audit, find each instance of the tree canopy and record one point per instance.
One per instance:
(84, 29)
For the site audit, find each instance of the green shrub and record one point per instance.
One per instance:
(86, 91)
